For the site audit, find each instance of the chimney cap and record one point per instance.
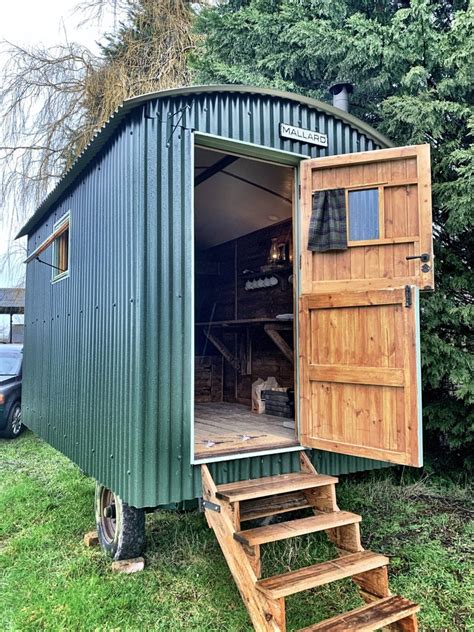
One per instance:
(338, 86)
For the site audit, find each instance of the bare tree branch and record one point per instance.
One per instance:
(53, 100)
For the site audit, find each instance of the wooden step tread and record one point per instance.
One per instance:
(272, 505)
(292, 528)
(319, 574)
(369, 617)
(281, 484)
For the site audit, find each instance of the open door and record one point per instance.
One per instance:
(359, 332)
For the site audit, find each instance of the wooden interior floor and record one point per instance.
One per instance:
(224, 428)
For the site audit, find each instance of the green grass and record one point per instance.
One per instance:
(50, 581)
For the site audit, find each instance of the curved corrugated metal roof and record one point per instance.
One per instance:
(103, 135)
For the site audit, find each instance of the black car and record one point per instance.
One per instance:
(11, 357)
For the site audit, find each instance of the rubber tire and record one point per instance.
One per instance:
(128, 541)
(9, 431)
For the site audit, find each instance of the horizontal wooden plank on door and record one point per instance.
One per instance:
(358, 286)
(350, 299)
(366, 157)
(382, 376)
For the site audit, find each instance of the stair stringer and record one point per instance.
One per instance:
(372, 585)
(267, 615)
(346, 538)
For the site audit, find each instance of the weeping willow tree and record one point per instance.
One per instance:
(53, 100)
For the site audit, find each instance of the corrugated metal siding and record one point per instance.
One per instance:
(108, 354)
(255, 119)
(82, 378)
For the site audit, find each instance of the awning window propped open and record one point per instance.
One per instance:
(57, 232)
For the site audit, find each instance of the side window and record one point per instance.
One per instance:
(363, 214)
(60, 259)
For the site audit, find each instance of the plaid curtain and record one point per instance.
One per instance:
(327, 228)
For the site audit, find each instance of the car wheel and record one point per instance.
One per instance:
(14, 426)
(120, 527)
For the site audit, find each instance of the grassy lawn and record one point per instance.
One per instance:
(50, 581)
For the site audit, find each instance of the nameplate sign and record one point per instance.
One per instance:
(303, 135)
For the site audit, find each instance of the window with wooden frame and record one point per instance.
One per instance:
(363, 214)
(60, 256)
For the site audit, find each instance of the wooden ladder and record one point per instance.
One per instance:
(228, 506)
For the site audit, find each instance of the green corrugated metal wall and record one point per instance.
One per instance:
(108, 352)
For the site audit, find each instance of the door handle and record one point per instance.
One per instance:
(424, 257)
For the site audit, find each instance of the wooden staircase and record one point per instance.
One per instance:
(228, 506)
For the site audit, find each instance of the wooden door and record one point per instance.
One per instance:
(359, 333)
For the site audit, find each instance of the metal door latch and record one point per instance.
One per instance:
(424, 257)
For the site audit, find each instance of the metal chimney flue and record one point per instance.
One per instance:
(340, 94)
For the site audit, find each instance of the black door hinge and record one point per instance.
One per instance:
(408, 301)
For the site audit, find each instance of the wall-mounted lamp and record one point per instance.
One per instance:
(274, 254)
(282, 252)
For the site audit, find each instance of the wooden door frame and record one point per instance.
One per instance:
(282, 158)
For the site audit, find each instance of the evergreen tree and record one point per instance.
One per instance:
(412, 67)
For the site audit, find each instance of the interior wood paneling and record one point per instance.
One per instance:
(222, 296)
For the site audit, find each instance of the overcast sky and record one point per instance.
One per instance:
(46, 22)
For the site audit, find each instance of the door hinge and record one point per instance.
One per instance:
(299, 191)
(408, 301)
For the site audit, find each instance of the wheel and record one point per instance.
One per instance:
(14, 425)
(120, 527)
